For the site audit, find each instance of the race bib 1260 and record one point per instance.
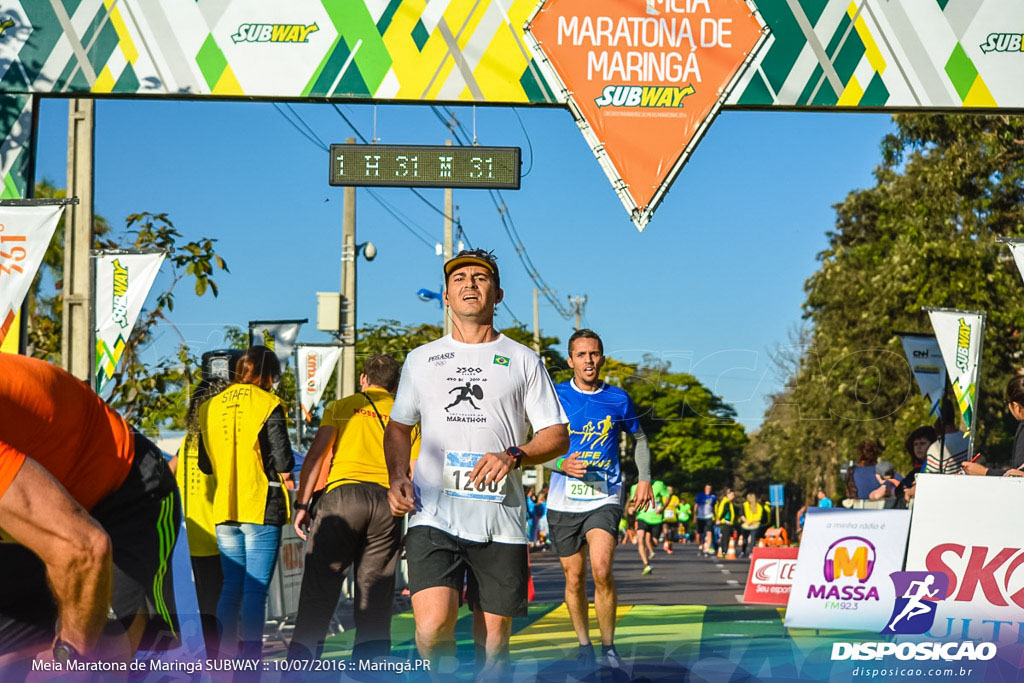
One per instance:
(456, 481)
(593, 486)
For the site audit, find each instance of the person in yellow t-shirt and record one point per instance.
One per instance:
(352, 521)
(197, 491)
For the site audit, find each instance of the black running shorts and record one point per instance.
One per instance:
(495, 574)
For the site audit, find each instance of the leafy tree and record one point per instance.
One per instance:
(923, 235)
(149, 395)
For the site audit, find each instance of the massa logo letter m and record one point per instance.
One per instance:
(993, 570)
(849, 563)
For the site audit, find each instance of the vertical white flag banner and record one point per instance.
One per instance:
(960, 334)
(123, 281)
(25, 234)
(277, 335)
(316, 363)
(925, 361)
(1017, 249)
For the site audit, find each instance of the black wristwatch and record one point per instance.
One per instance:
(302, 506)
(64, 652)
(516, 454)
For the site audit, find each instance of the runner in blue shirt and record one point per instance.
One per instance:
(584, 501)
(705, 515)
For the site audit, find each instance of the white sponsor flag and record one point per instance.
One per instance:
(123, 281)
(960, 334)
(925, 360)
(316, 363)
(277, 335)
(1017, 249)
(25, 233)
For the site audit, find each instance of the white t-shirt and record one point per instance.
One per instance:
(472, 399)
(956, 453)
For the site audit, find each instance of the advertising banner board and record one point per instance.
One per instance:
(960, 336)
(771, 576)
(981, 554)
(842, 572)
(316, 363)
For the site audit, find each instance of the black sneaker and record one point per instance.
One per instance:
(585, 659)
(610, 657)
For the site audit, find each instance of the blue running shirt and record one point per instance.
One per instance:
(595, 422)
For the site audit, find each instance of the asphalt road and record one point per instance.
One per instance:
(683, 578)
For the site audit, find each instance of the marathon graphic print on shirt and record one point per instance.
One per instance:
(595, 422)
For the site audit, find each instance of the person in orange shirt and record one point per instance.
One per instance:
(93, 512)
(352, 521)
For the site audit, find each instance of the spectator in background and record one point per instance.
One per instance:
(245, 446)
(197, 491)
(531, 522)
(1015, 403)
(861, 480)
(352, 524)
(947, 455)
(916, 445)
(888, 480)
(823, 500)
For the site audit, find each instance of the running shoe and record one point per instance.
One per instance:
(585, 659)
(610, 657)
(646, 570)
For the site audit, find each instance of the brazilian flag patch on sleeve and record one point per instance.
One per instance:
(501, 360)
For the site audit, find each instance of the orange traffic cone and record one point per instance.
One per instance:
(531, 592)
(730, 554)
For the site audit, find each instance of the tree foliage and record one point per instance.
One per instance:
(149, 393)
(923, 235)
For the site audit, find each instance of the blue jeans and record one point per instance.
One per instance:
(248, 554)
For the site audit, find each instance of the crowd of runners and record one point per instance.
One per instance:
(89, 507)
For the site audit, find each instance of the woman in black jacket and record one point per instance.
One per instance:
(1015, 402)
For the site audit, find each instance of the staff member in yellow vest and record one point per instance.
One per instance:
(725, 519)
(750, 523)
(352, 522)
(245, 446)
(197, 491)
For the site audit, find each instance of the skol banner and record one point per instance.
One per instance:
(960, 334)
(123, 281)
(644, 80)
(25, 233)
(979, 556)
(277, 335)
(315, 365)
(842, 572)
(925, 361)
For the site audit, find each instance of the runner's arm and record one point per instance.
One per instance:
(397, 450)
(642, 454)
(545, 444)
(38, 513)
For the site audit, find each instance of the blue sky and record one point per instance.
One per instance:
(714, 284)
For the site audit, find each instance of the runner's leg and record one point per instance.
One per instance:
(575, 568)
(435, 611)
(602, 552)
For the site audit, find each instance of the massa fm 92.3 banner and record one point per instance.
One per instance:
(644, 77)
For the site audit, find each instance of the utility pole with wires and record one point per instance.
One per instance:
(447, 243)
(578, 303)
